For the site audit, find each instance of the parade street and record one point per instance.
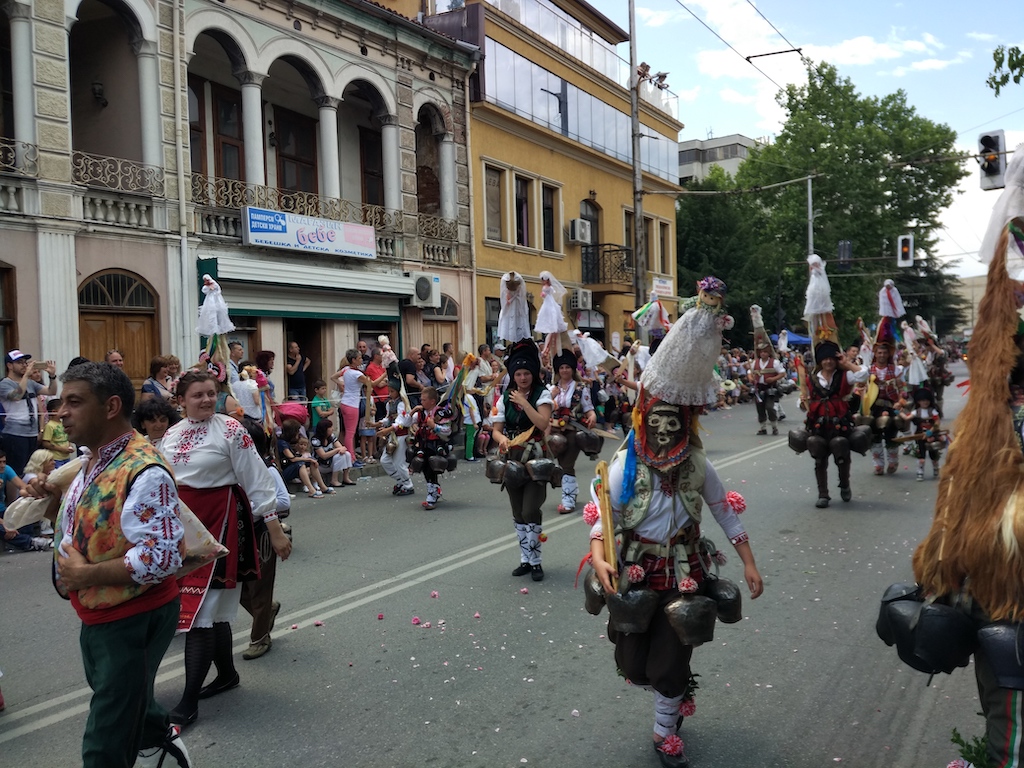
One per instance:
(503, 671)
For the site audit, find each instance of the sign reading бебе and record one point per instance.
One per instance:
(276, 229)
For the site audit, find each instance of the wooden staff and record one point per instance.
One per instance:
(921, 437)
(801, 377)
(604, 505)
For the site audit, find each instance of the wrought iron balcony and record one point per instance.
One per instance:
(19, 158)
(116, 173)
(609, 266)
(232, 194)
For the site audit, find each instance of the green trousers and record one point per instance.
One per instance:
(470, 439)
(121, 660)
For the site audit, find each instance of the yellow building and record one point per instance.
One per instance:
(550, 161)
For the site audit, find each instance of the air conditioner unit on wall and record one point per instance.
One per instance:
(426, 290)
(579, 231)
(581, 298)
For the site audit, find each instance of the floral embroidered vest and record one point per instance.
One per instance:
(691, 479)
(97, 533)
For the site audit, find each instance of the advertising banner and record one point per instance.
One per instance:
(276, 229)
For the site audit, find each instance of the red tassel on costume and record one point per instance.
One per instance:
(584, 561)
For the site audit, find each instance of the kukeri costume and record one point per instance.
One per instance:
(924, 422)
(827, 393)
(524, 466)
(656, 488)
(431, 449)
(884, 398)
(765, 376)
(969, 596)
(569, 436)
(394, 457)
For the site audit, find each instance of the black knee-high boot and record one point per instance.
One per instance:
(199, 645)
(223, 656)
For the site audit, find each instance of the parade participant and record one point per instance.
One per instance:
(257, 597)
(395, 431)
(514, 312)
(925, 422)
(886, 375)
(657, 487)
(765, 373)
(226, 484)
(550, 321)
(121, 546)
(432, 428)
(572, 404)
(973, 555)
(826, 393)
(521, 418)
(936, 360)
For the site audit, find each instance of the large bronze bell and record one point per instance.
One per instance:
(557, 444)
(882, 422)
(862, 420)
(798, 440)
(541, 470)
(515, 474)
(727, 597)
(860, 439)
(632, 610)
(437, 463)
(593, 593)
(556, 477)
(692, 617)
(416, 463)
(453, 462)
(495, 469)
(589, 442)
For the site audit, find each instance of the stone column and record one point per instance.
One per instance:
(58, 321)
(447, 177)
(252, 126)
(331, 166)
(21, 77)
(392, 163)
(149, 102)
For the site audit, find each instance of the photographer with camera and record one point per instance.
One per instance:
(19, 396)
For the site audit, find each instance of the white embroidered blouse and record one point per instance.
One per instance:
(219, 451)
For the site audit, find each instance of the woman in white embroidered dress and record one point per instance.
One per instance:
(223, 480)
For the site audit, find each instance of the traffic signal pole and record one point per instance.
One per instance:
(810, 218)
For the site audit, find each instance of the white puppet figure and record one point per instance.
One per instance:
(550, 320)
(387, 353)
(514, 314)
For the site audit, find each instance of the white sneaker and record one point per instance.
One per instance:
(41, 543)
(169, 754)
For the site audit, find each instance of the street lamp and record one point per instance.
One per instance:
(641, 73)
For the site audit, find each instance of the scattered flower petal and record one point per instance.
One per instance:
(318, 623)
(380, 617)
(295, 626)
(524, 591)
(434, 593)
(476, 615)
(426, 625)
(416, 620)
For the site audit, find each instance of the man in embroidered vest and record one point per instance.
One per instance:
(669, 594)
(121, 545)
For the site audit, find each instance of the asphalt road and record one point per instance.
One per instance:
(802, 682)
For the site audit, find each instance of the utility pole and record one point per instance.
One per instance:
(810, 218)
(639, 232)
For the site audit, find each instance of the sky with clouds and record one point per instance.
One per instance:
(935, 50)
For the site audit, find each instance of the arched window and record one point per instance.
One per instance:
(448, 310)
(118, 291)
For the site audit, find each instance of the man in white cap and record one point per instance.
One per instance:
(19, 395)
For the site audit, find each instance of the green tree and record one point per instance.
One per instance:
(716, 235)
(1009, 64)
(880, 170)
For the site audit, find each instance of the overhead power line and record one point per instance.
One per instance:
(709, 29)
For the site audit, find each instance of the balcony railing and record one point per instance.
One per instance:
(605, 264)
(19, 157)
(116, 173)
(215, 192)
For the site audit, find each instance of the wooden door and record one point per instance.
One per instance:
(133, 334)
(437, 332)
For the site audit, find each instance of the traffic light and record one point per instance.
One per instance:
(992, 158)
(905, 251)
